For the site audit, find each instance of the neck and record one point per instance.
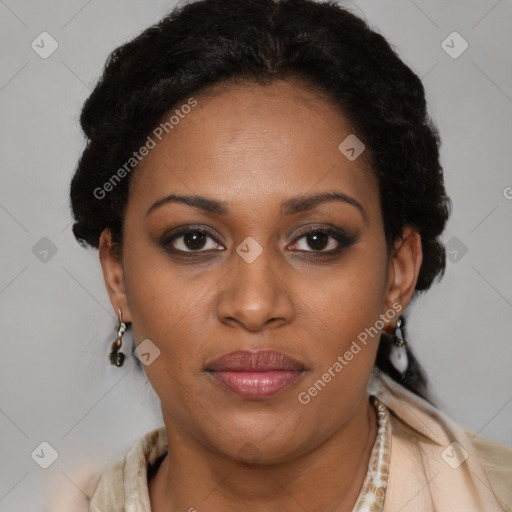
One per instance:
(328, 477)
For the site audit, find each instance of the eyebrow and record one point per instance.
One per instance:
(290, 206)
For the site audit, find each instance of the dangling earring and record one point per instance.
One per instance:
(117, 357)
(398, 353)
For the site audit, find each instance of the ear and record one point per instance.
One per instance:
(403, 270)
(113, 273)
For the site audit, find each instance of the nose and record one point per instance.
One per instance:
(255, 295)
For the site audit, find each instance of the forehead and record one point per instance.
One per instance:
(250, 144)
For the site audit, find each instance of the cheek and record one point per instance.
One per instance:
(161, 300)
(345, 347)
(350, 297)
(346, 309)
(167, 308)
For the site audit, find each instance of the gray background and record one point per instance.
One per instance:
(57, 323)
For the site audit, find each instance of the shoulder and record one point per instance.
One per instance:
(87, 481)
(496, 459)
(121, 486)
(109, 492)
(429, 449)
(125, 481)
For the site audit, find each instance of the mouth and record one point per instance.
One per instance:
(255, 375)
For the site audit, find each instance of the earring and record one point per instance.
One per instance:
(117, 357)
(398, 353)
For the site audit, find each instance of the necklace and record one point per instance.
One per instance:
(373, 491)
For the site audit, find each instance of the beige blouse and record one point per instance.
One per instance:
(434, 464)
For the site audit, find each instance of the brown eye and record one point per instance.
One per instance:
(194, 240)
(191, 240)
(323, 240)
(318, 241)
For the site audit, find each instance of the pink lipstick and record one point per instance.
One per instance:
(255, 375)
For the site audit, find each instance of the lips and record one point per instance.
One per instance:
(255, 375)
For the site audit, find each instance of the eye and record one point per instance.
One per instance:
(325, 241)
(190, 240)
(328, 240)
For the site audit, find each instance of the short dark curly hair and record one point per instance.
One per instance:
(323, 46)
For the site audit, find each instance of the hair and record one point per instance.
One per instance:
(319, 45)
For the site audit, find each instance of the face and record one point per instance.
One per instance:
(242, 273)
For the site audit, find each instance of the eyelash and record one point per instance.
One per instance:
(343, 239)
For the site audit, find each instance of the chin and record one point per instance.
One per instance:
(261, 438)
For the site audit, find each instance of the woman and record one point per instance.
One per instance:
(262, 181)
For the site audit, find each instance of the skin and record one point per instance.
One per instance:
(252, 147)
